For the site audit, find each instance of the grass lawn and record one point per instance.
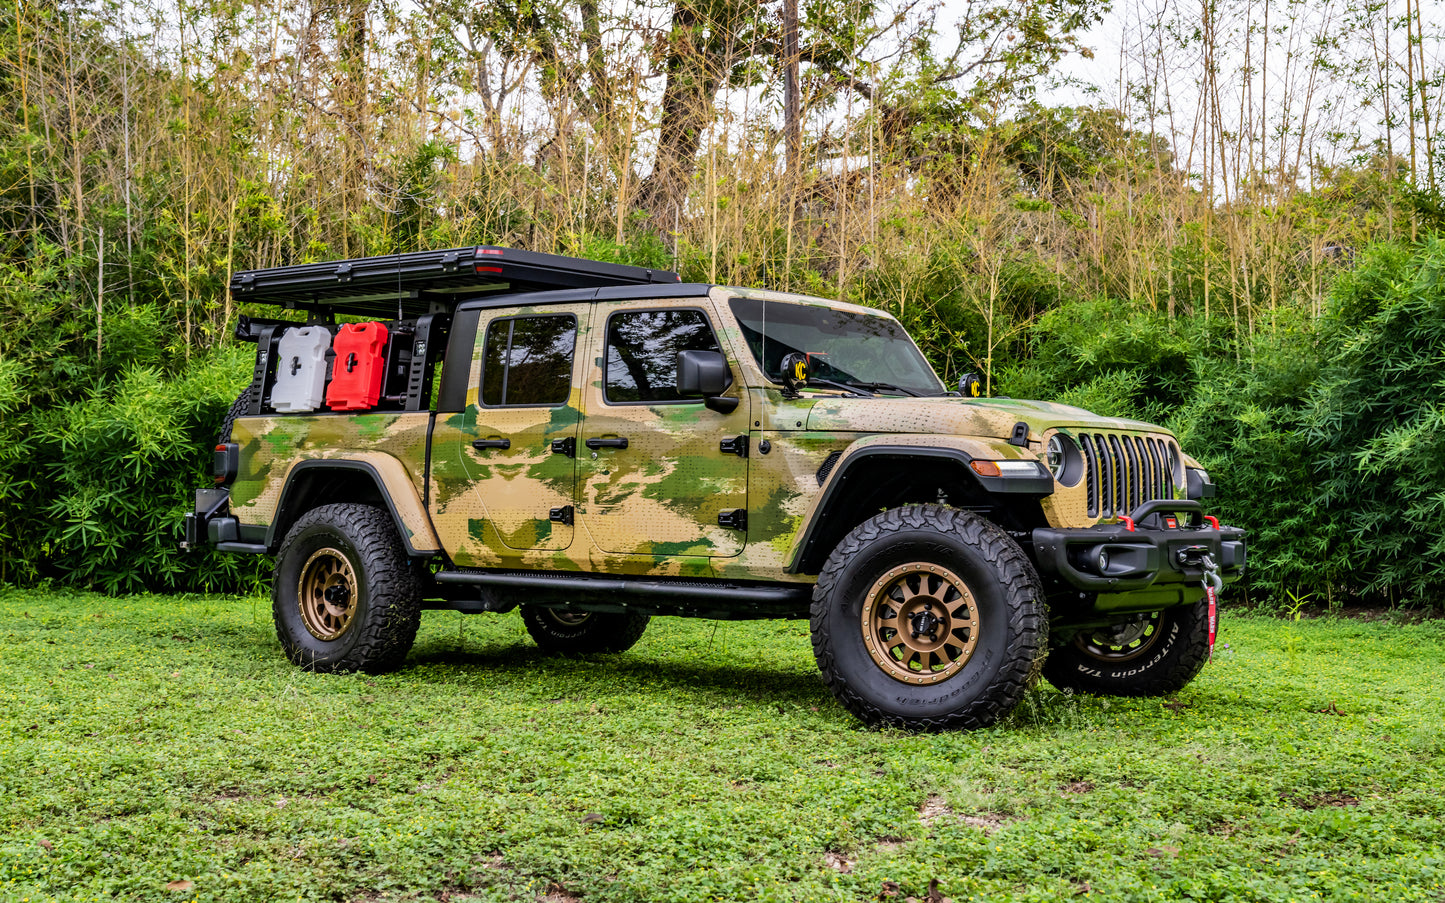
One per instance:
(160, 748)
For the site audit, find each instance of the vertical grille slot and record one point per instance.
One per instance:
(1131, 482)
(1091, 473)
(1116, 456)
(1110, 506)
(1106, 477)
(1156, 480)
(1161, 463)
(1146, 485)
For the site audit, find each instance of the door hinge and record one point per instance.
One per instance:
(566, 447)
(733, 519)
(562, 515)
(737, 445)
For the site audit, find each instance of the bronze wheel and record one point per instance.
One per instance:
(569, 618)
(327, 594)
(1119, 643)
(1148, 655)
(920, 623)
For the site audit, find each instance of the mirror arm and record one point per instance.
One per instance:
(723, 404)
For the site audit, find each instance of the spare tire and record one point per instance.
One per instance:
(239, 407)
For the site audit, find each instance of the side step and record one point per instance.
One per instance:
(688, 597)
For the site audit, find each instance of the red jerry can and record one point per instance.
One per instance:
(359, 366)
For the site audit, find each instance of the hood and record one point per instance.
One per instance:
(950, 416)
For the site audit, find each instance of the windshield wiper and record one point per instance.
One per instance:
(886, 387)
(851, 388)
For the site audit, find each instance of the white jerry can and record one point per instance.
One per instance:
(300, 369)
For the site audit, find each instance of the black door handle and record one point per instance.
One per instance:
(620, 442)
(492, 443)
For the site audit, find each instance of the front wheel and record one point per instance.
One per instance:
(1152, 655)
(928, 618)
(579, 632)
(344, 595)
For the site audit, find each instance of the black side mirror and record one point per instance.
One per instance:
(705, 374)
(702, 373)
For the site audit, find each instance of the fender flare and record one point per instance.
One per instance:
(394, 486)
(806, 548)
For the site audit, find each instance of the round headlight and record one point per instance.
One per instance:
(1055, 457)
(1062, 457)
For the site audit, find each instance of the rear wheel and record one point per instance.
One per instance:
(1150, 655)
(344, 594)
(928, 618)
(578, 632)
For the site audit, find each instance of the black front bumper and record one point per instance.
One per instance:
(1144, 552)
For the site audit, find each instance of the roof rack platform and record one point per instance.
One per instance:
(422, 282)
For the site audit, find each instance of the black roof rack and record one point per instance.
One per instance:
(424, 282)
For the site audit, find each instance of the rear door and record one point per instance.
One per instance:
(519, 435)
(654, 477)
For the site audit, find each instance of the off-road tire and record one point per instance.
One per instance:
(387, 597)
(581, 632)
(1174, 653)
(239, 407)
(1011, 633)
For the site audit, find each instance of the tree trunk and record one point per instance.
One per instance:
(694, 69)
(792, 112)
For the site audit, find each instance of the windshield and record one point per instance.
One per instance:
(857, 349)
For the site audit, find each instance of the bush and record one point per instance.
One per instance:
(1328, 440)
(1377, 422)
(121, 468)
(1243, 423)
(16, 476)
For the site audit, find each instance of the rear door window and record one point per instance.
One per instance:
(528, 361)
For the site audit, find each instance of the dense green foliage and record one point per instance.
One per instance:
(153, 740)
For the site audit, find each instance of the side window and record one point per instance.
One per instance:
(528, 361)
(642, 349)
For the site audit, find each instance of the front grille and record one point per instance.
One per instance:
(1122, 472)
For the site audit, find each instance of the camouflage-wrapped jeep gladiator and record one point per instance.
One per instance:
(595, 444)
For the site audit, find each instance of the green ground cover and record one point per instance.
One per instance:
(155, 741)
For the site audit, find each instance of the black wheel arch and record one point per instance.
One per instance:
(878, 477)
(326, 481)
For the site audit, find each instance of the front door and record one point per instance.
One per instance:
(655, 478)
(517, 443)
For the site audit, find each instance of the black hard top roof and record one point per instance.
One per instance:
(409, 285)
(578, 295)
